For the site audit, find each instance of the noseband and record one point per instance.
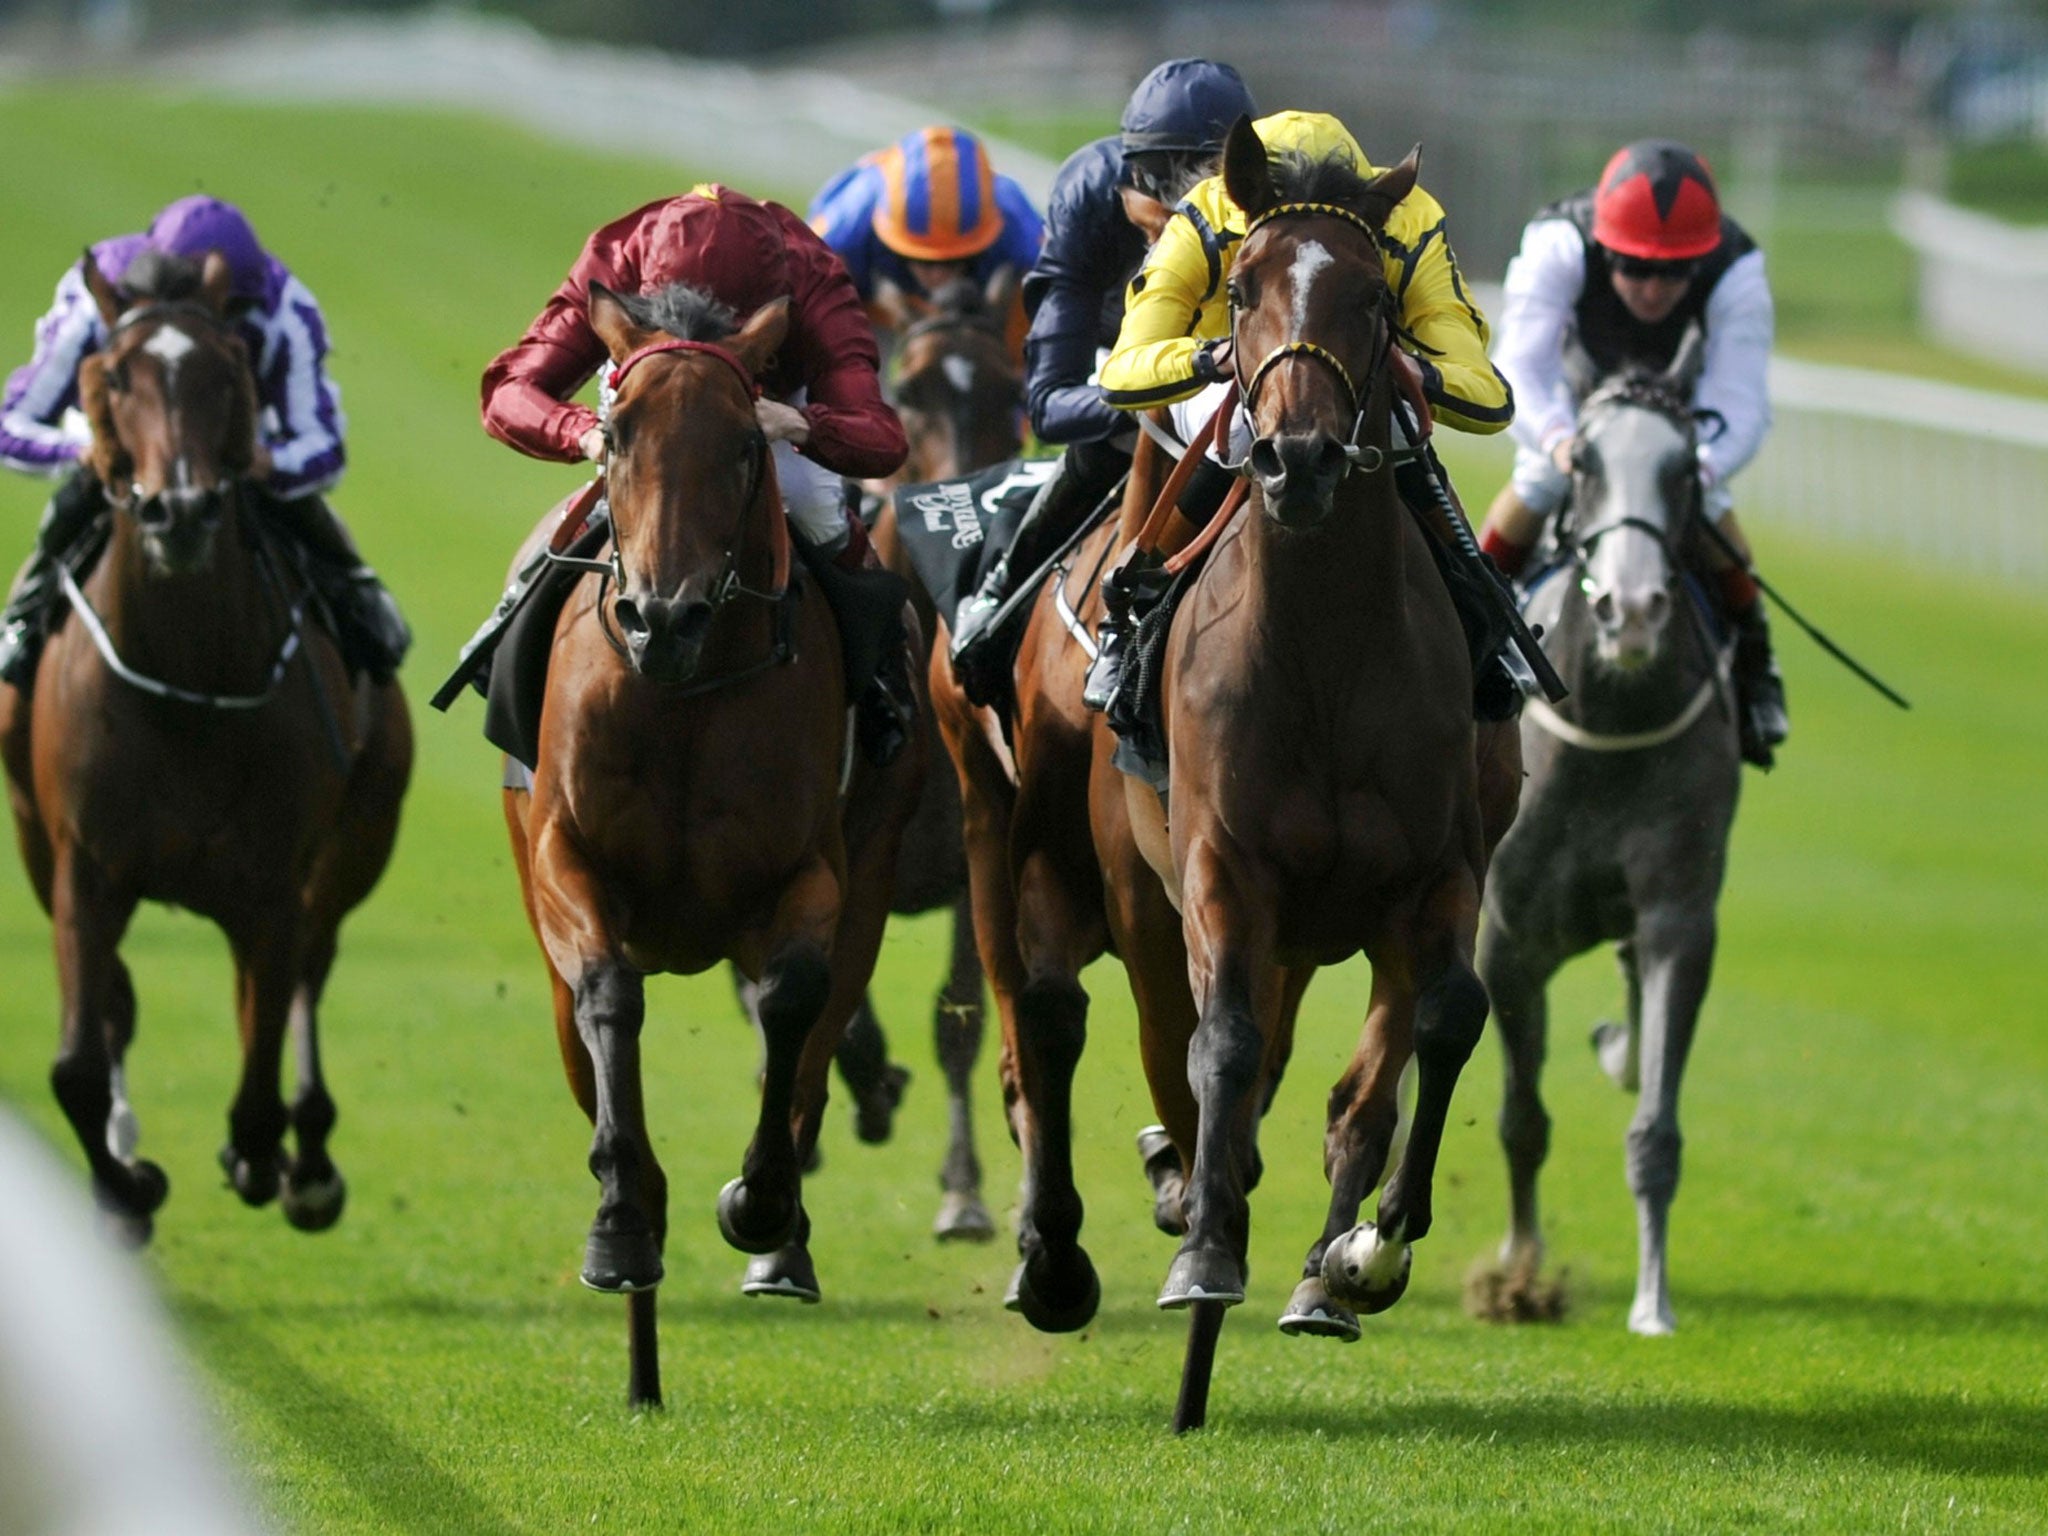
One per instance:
(1359, 456)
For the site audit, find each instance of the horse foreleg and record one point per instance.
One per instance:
(1055, 1285)
(97, 1011)
(1515, 982)
(266, 947)
(1675, 956)
(1368, 1267)
(762, 1209)
(874, 1081)
(956, 1031)
(1237, 991)
(1363, 1118)
(608, 1005)
(314, 1190)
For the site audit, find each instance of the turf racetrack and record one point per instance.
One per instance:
(1856, 1251)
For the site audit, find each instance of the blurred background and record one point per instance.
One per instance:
(1857, 1250)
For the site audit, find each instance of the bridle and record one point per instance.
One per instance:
(728, 585)
(1360, 456)
(152, 311)
(1578, 544)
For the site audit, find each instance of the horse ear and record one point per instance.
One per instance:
(216, 282)
(1690, 358)
(1397, 181)
(104, 294)
(1001, 291)
(107, 459)
(757, 340)
(1247, 173)
(621, 335)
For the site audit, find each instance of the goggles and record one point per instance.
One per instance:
(1646, 269)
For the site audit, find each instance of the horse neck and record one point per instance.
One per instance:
(208, 629)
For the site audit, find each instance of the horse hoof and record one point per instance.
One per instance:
(314, 1205)
(1311, 1314)
(1651, 1319)
(1610, 1047)
(787, 1272)
(152, 1186)
(255, 1180)
(1365, 1270)
(1051, 1306)
(733, 1210)
(874, 1115)
(619, 1262)
(963, 1218)
(1203, 1274)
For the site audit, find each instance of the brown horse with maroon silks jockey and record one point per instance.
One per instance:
(697, 798)
(192, 737)
(1329, 793)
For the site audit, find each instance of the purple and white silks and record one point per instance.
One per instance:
(301, 421)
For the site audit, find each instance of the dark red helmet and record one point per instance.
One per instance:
(1657, 201)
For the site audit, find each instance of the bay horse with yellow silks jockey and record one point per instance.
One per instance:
(696, 797)
(193, 737)
(1329, 793)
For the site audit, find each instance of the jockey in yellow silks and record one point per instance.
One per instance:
(1176, 326)
(1175, 311)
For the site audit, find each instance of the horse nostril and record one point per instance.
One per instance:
(1604, 609)
(629, 616)
(1658, 608)
(153, 514)
(1266, 461)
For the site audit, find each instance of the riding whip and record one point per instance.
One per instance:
(1800, 619)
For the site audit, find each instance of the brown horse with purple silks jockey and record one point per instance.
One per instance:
(194, 737)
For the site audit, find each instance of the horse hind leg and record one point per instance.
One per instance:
(875, 1082)
(1617, 1044)
(957, 1024)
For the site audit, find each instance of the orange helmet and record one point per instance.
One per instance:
(938, 196)
(1657, 202)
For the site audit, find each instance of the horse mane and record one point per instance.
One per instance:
(1645, 387)
(685, 312)
(1299, 177)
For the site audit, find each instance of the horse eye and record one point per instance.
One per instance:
(1234, 295)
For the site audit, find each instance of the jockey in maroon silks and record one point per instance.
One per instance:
(821, 405)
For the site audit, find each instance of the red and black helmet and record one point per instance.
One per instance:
(1657, 202)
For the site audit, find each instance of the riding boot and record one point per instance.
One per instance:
(1500, 677)
(980, 651)
(1133, 587)
(867, 599)
(25, 623)
(373, 634)
(1761, 721)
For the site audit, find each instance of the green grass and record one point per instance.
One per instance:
(1856, 1252)
(2007, 179)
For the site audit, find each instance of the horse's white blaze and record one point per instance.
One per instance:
(170, 344)
(959, 373)
(124, 1131)
(1310, 257)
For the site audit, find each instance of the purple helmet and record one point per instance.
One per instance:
(194, 225)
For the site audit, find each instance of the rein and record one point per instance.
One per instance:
(156, 687)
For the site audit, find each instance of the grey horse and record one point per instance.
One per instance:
(1631, 792)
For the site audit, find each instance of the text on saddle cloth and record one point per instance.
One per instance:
(954, 530)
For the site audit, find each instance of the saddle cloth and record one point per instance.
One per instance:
(954, 530)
